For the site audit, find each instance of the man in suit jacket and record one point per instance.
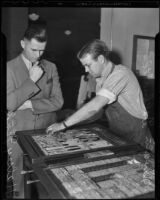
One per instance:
(33, 93)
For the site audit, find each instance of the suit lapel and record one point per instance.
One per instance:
(21, 64)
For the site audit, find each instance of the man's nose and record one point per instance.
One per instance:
(38, 54)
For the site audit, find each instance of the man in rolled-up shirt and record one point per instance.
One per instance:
(117, 92)
(33, 92)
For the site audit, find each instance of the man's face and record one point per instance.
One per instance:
(33, 49)
(94, 67)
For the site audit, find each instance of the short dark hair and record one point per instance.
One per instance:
(36, 30)
(95, 47)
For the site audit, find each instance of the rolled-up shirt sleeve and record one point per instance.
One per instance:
(106, 93)
(113, 86)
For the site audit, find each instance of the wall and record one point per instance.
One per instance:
(14, 22)
(124, 23)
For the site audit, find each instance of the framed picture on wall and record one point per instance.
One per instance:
(143, 59)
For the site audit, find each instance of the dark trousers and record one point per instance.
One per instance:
(127, 126)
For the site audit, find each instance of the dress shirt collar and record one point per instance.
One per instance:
(27, 62)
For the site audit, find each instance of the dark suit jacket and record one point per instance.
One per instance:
(45, 95)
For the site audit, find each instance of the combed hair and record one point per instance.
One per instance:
(95, 47)
(36, 30)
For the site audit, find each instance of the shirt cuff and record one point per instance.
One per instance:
(106, 93)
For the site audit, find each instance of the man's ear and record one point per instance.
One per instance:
(22, 44)
(101, 59)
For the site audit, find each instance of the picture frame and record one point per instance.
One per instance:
(143, 58)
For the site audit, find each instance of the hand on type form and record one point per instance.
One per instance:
(55, 128)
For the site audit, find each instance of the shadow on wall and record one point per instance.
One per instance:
(115, 57)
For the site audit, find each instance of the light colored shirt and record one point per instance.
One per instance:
(123, 86)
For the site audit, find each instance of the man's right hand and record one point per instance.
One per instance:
(35, 72)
